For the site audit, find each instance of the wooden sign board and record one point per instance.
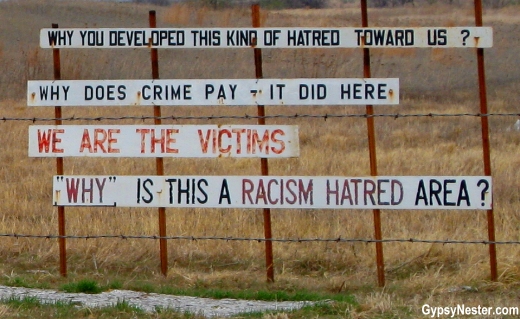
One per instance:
(332, 192)
(235, 92)
(194, 38)
(264, 141)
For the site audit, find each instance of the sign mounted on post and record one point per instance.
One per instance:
(330, 91)
(191, 38)
(383, 192)
(265, 141)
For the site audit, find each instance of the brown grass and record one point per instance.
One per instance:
(433, 81)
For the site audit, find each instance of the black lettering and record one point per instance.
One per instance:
(421, 194)
(447, 192)
(149, 199)
(359, 36)
(291, 37)
(463, 194)
(181, 191)
(122, 92)
(399, 37)
(224, 192)
(43, 92)
(204, 199)
(435, 190)
(144, 94)
(53, 37)
(209, 90)
(369, 91)
(443, 39)
(381, 91)
(304, 91)
(379, 36)
(89, 93)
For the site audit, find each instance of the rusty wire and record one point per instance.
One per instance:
(253, 117)
(283, 240)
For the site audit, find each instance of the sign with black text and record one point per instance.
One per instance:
(330, 91)
(380, 37)
(324, 192)
(265, 141)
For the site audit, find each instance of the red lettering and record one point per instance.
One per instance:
(170, 140)
(143, 132)
(239, 133)
(272, 181)
(220, 143)
(330, 191)
(345, 194)
(277, 141)
(72, 189)
(204, 141)
(98, 141)
(295, 197)
(87, 190)
(305, 194)
(165, 141)
(369, 190)
(49, 140)
(56, 140)
(247, 188)
(44, 140)
(100, 136)
(154, 140)
(112, 140)
(85, 142)
(263, 145)
(260, 193)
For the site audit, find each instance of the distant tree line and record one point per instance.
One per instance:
(395, 3)
(156, 2)
(318, 4)
(272, 4)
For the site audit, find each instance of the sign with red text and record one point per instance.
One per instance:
(324, 192)
(192, 38)
(266, 141)
(329, 91)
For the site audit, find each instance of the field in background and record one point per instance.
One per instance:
(432, 81)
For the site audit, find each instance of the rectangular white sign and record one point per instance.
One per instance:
(332, 192)
(266, 141)
(329, 91)
(301, 37)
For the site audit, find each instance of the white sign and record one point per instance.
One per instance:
(444, 37)
(330, 91)
(266, 141)
(384, 192)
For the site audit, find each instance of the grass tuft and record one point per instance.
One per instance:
(87, 286)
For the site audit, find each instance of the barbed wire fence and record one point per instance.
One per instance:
(483, 115)
(255, 117)
(261, 239)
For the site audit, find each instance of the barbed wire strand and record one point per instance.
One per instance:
(285, 240)
(254, 117)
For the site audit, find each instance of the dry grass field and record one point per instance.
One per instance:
(442, 81)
